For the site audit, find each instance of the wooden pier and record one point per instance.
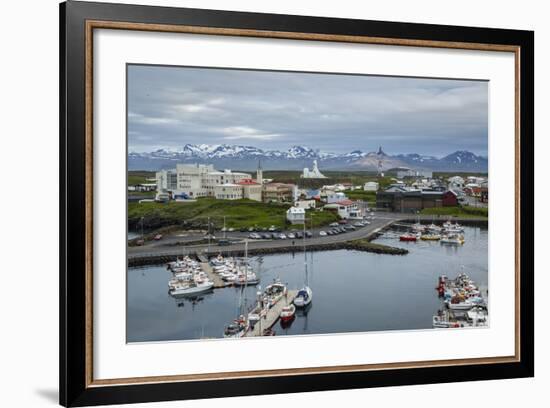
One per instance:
(214, 277)
(272, 315)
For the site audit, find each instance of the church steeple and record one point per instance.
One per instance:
(259, 173)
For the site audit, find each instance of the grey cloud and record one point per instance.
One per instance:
(171, 106)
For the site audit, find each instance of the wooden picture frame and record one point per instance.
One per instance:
(77, 23)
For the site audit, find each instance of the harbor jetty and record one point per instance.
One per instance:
(272, 315)
(214, 277)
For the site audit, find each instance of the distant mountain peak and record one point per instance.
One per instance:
(246, 158)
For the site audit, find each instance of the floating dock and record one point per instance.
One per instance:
(214, 277)
(272, 315)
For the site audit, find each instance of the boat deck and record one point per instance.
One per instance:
(272, 315)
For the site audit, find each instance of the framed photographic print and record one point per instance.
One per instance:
(256, 203)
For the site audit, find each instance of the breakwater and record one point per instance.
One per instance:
(356, 245)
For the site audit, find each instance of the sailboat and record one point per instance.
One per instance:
(304, 295)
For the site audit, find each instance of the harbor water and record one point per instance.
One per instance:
(352, 291)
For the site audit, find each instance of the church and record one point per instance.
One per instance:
(314, 173)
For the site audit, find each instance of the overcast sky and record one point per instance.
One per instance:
(171, 106)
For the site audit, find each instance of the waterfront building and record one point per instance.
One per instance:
(278, 193)
(370, 186)
(145, 187)
(314, 173)
(296, 215)
(346, 209)
(406, 200)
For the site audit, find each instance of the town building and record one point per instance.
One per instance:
(203, 180)
(411, 200)
(278, 193)
(228, 191)
(296, 215)
(370, 186)
(314, 173)
(305, 204)
(333, 197)
(346, 209)
(251, 189)
(402, 172)
(144, 187)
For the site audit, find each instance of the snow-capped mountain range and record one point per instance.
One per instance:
(298, 157)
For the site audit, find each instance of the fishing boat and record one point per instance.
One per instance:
(450, 227)
(236, 329)
(288, 313)
(430, 237)
(273, 293)
(452, 239)
(305, 295)
(190, 288)
(439, 322)
(408, 237)
(244, 277)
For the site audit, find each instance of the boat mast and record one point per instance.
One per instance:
(305, 254)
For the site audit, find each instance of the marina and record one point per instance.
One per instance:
(374, 290)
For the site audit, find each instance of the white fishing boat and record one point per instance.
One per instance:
(273, 293)
(452, 239)
(287, 313)
(190, 288)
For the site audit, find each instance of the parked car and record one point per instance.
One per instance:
(308, 234)
(299, 235)
(359, 224)
(158, 237)
(334, 224)
(254, 236)
(224, 242)
(273, 228)
(290, 235)
(330, 232)
(231, 230)
(322, 233)
(266, 235)
(342, 222)
(140, 242)
(282, 236)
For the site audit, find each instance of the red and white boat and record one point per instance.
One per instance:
(408, 237)
(287, 313)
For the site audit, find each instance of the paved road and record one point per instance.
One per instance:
(381, 220)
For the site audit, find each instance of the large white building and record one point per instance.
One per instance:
(313, 173)
(203, 180)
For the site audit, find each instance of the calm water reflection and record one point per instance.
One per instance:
(352, 291)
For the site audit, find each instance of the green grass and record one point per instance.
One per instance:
(140, 177)
(238, 213)
(458, 211)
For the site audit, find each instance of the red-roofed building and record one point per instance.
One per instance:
(251, 189)
(345, 209)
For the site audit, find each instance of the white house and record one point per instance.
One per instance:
(333, 197)
(370, 186)
(296, 215)
(345, 209)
